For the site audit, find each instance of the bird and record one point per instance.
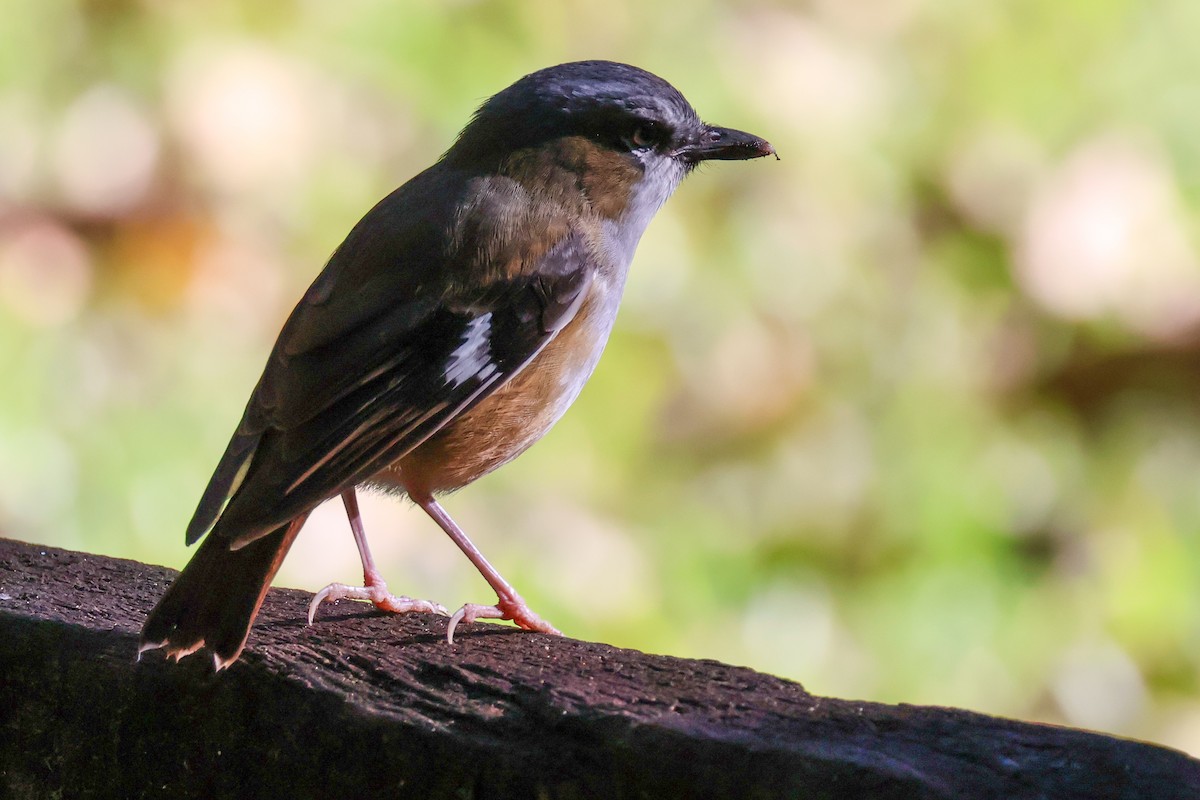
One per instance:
(449, 331)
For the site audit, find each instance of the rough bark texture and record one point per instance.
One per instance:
(361, 703)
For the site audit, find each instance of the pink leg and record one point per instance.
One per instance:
(373, 590)
(509, 605)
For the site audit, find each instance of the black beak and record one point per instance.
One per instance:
(724, 144)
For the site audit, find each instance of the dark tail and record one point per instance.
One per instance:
(214, 600)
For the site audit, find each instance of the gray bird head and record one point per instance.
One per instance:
(639, 138)
(615, 105)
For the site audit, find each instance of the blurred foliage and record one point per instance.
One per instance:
(909, 415)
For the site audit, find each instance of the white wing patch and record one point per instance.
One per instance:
(472, 358)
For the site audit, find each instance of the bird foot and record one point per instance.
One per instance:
(375, 593)
(513, 608)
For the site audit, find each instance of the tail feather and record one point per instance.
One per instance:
(213, 602)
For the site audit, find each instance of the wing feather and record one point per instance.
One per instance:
(332, 410)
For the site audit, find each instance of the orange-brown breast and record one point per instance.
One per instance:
(519, 413)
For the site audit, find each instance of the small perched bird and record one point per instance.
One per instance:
(448, 333)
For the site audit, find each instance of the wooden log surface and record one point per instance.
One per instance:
(362, 703)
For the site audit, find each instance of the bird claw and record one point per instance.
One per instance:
(513, 608)
(377, 595)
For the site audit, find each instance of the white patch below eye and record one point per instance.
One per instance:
(472, 358)
(662, 176)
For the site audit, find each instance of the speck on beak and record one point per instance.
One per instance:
(725, 144)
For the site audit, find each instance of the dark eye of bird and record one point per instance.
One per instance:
(644, 136)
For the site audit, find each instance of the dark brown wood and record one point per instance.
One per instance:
(363, 703)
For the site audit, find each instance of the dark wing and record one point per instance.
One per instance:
(370, 365)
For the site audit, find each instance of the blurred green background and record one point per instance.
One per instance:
(910, 415)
